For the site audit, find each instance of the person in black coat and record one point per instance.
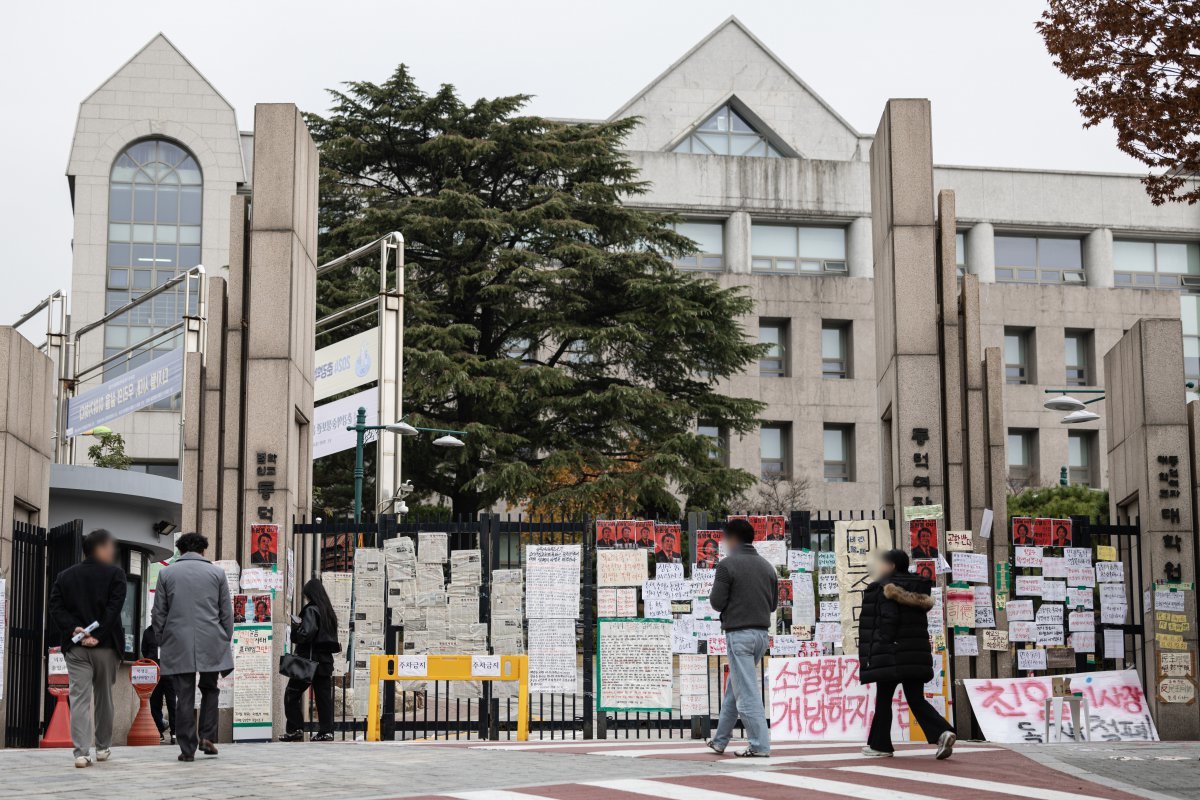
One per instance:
(314, 635)
(893, 650)
(164, 690)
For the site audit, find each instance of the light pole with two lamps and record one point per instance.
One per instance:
(448, 438)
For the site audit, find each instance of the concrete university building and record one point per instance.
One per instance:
(773, 184)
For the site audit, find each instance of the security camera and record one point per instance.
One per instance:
(401, 507)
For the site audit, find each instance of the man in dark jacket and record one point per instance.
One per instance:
(746, 592)
(92, 591)
(893, 650)
(163, 692)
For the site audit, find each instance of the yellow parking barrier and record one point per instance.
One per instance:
(448, 668)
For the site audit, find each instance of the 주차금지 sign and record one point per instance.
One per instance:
(330, 421)
(346, 364)
(153, 381)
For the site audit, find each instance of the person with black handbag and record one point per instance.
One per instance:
(314, 641)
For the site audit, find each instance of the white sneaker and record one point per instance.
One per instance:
(103, 755)
(946, 745)
(867, 751)
(82, 761)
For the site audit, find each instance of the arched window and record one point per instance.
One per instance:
(154, 212)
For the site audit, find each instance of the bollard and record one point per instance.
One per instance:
(58, 731)
(144, 677)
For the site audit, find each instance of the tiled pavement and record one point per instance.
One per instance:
(611, 770)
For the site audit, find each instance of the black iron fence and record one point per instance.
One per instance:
(26, 628)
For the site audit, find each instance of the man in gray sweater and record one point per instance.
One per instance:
(745, 592)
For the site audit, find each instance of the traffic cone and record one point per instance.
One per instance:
(144, 677)
(58, 732)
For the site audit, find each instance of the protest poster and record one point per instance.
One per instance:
(1054, 567)
(1050, 614)
(1078, 556)
(626, 534)
(1083, 642)
(826, 560)
(985, 615)
(966, 644)
(1027, 557)
(683, 635)
(1110, 571)
(853, 542)
(926, 568)
(716, 645)
(1168, 600)
(1060, 658)
(1042, 534)
(1106, 552)
(970, 567)
(994, 639)
(627, 602)
(1054, 591)
(783, 644)
(1031, 659)
(1022, 531)
(1114, 644)
(804, 609)
(606, 533)
(959, 541)
(254, 664)
(643, 534)
(828, 633)
(265, 539)
(261, 603)
(702, 609)
(240, 602)
(1027, 586)
(1022, 631)
(708, 549)
(654, 608)
(1081, 621)
(827, 584)
(1049, 634)
(606, 602)
(773, 550)
(551, 649)
(815, 699)
(776, 528)
(784, 591)
(1061, 535)
(831, 611)
(801, 561)
(923, 538)
(693, 705)
(617, 568)
(701, 582)
(960, 607)
(552, 580)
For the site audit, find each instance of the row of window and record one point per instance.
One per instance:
(775, 447)
(785, 249)
(1020, 364)
(1023, 458)
(835, 349)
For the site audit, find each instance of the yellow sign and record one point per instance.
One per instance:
(1172, 622)
(1170, 641)
(1105, 552)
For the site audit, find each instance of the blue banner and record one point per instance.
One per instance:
(156, 380)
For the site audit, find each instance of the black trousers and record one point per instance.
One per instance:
(928, 718)
(164, 692)
(185, 711)
(293, 701)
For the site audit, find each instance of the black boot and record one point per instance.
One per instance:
(295, 736)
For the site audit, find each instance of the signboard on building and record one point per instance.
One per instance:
(345, 365)
(156, 380)
(330, 420)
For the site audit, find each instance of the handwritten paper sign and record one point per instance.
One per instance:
(1054, 591)
(1028, 557)
(959, 541)
(551, 655)
(254, 661)
(801, 560)
(1110, 571)
(966, 645)
(143, 674)
(1022, 631)
(635, 665)
(1168, 600)
(822, 699)
(1105, 552)
(970, 567)
(985, 615)
(606, 602)
(683, 635)
(804, 608)
(828, 632)
(827, 584)
(552, 580)
(831, 611)
(960, 607)
(1020, 609)
(853, 543)
(1012, 710)
(1054, 567)
(1028, 586)
(995, 639)
(1031, 659)
(627, 602)
(655, 608)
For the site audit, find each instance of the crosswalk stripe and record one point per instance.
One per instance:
(1034, 792)
(493, 794)
(754, 762)
(667, 751)
(671, 791)
(834, 787)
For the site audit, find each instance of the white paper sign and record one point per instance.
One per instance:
(831, 611)
(552, 580)
(966, 645)
(1027, 557)
(485, 666)
(827, 584)
(1078, 556)
(985, 526)
(1114, 644)
(1110, 571)
(621, 567)
(985, 614)
(828, 632)
(1031, 659)
(1022, 631)
(1081, 621)
(415, 666)
(552, 655)
(801, 560)
(1019, 609)
(1054, 591)
(1168, 600)
(1028, 585)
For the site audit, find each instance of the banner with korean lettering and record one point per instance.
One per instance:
(330, 420)
(853, 543)
(346, 364)
(821, 699)
(1014, 709)
(156, 380)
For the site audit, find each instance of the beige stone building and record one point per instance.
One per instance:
(774, 186)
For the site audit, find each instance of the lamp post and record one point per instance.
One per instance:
(449, 438)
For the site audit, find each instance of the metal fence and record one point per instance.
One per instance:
(26, 629)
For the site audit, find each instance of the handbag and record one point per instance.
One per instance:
(297, 667)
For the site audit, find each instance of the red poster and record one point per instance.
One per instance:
(625, 537)
(667, 539)
(923, 538)
(1041, 532)
(239, 607)
(1060, 533)
(759, 523)
(708, 548)
(1022, 531)
(777, 529)
(265, 539)
(644, 533)
(606, 533)
(785, 594)
(262, 607)
(926, 568)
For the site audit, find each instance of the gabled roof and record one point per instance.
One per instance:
(170, 45)
(734, 22)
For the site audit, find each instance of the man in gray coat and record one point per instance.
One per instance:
(193, 620)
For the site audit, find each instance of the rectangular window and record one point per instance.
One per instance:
(710, 241)
(1077, 358)
(1018, 352)
(960, 253)
(835, 350)
(1035, 259)
(774, 447)
(719, 450)
(1022, 457)
(792, 249)
(1189, 316)
(839, 453)
(774, 334)
(1149, 265)
(1080, 446)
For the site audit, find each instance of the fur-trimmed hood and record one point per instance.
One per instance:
(905, 597)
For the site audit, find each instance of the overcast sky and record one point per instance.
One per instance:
(997, 99)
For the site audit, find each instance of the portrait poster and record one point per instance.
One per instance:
(853, 543)
(1022, 531)
(265, 540)
(1060, 533)
(776, 528)
(643, 534)
(708, 549)
(606, 533)
(635, 671)
(261, 603)
(667, 544)
(626, 535)
(923, 538)
(926, 568)
(240, 602)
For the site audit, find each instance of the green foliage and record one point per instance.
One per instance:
(544, 315)
(1059, 502)
(109, 452)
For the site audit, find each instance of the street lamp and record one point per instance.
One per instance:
(398, 428)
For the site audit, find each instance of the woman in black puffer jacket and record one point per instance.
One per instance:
(893, 650)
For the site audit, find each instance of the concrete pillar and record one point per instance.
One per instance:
(980, 242)
(737, 242)
(956, 507)
(1098, 258)
(1150, 477)
(858, 248)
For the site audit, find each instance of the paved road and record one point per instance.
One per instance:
(611, 770)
